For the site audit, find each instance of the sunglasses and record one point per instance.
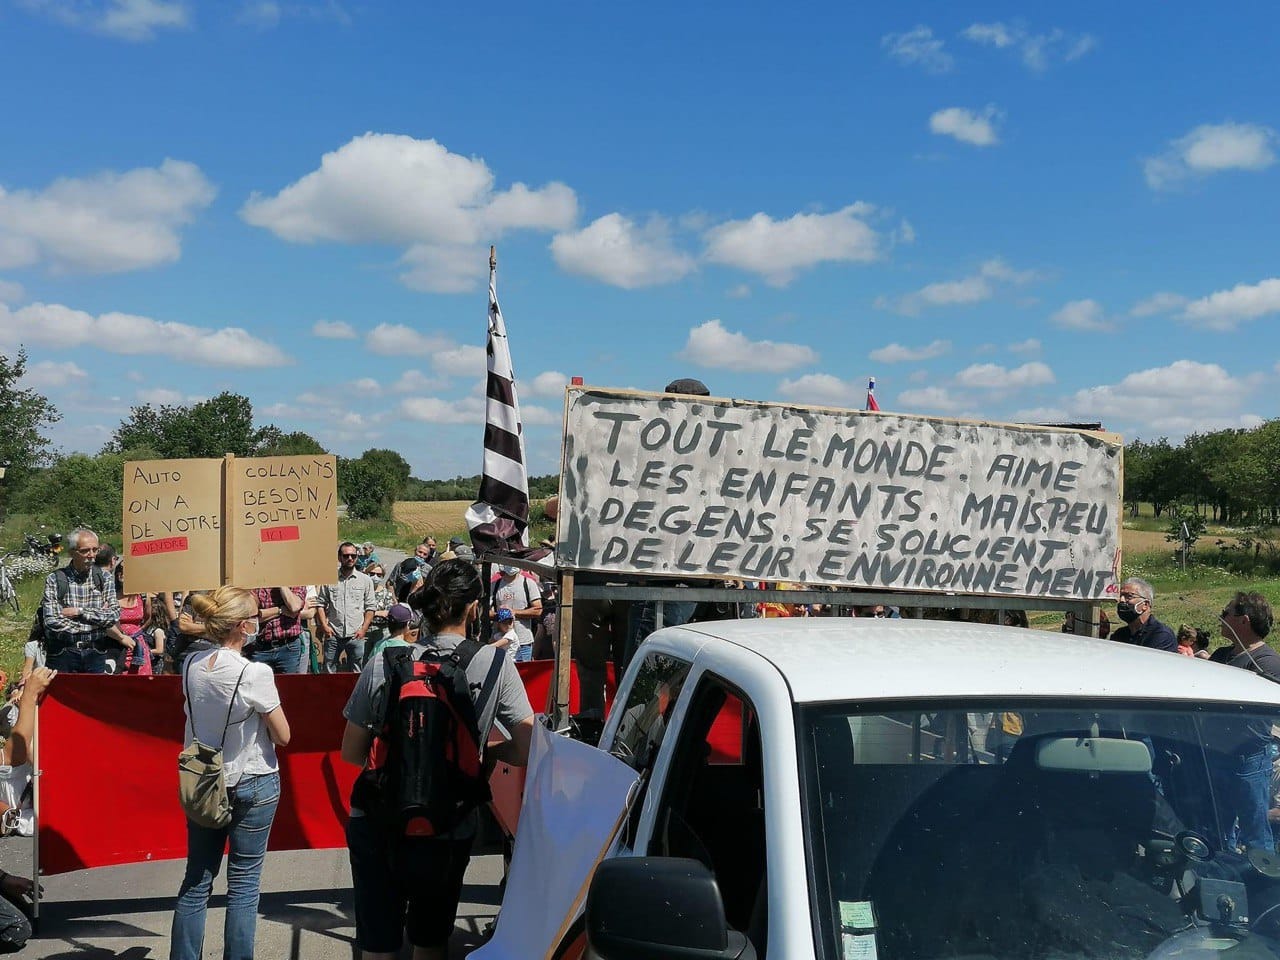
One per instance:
(346, 556)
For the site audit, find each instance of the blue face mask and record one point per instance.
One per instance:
(416, 575)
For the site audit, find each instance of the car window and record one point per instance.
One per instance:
(648, 708)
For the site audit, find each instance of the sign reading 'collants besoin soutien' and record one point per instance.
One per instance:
(697, 487)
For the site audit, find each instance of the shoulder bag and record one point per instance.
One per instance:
(202, 784)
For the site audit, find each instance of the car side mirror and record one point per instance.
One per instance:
(659, 908)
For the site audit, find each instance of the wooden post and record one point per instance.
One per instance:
(228, 512)
(564, 655)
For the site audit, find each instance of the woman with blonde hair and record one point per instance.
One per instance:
(232, 703)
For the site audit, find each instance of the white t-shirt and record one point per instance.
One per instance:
(210, 677)
(33, 650)
(519, 594)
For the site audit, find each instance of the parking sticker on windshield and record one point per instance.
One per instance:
(859, 946)
(857, 915)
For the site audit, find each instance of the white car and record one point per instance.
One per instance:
(912, 790)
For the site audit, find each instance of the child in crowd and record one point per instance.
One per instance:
(504, 632)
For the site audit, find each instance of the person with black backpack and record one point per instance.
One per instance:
(417, 724)
(79, 608)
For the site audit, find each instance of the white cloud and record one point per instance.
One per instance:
(975, 288)
(1209, 149)
(52, 375)
(614, 250)
(822, 389)
(1227, 308)
(711, 345)
(897, 353)
(105, 223)
(1155, 401)
(460, 360)
(393, 189)
(415, 381)
(11, 292)
(366, 385)
(918, 46)
(1082, 315)
(930, 400)
(738, 292)
(333, 330)
(777, 249)
(1031, 345)
(1157, 303)
(968, 126)
(54, 325)
(161, 397)
(992, 376)
(468, 410)
(397, 340)
(125, 19)
(550, 383)
(1036, 50)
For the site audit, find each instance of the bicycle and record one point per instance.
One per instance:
(8, 595)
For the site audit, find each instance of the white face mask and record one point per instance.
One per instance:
(249, 637)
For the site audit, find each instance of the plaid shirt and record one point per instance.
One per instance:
(281, 629)
(99, 608)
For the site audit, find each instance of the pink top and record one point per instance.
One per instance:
(132, 616)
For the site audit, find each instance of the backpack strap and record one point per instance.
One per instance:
(465, 652)
(227, 725)
(191, 713)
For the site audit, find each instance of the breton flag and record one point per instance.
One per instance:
(499, 520)
(871, 395)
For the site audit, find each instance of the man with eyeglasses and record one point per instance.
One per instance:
(79, 607)
(344, 613)
(1141, 628)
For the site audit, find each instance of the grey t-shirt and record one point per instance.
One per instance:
(496, 689)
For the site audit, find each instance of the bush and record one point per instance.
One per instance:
(1181, 515)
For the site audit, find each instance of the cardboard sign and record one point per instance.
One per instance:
(284, 524)
(693, 487)
(254, 522)
(172, 525)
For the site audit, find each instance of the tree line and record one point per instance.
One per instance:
(1227, 476)
(80, 489)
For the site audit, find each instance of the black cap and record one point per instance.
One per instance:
(689, 386)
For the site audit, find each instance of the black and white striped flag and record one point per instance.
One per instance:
(499, 520)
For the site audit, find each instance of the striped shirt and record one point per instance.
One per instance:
(98, 607)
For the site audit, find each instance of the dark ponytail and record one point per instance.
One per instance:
(450, 588)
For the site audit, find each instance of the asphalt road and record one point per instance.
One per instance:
(305, 912)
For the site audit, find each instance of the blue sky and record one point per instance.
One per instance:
(1046, 213)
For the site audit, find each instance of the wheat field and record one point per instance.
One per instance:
(440, 518)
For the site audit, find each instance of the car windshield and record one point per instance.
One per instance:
(1026, 830)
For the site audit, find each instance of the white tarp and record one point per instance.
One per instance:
(574, 798)
(683, 486)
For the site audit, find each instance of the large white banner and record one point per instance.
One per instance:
(694, 487)
(574, 798)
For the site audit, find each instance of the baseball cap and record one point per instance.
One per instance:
(505, 615)
(456, 541)
(399, 613)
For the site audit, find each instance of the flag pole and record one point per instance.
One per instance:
(493, 258)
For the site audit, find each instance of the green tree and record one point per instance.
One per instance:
(81, 491)
(24, 413)
(368, 484)
(294, 444)
(211, 428)
(393, 463)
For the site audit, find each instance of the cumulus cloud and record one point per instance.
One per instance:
(1156, 304)
(711, 345)
(468, 410)
(1210, 149)
(1082, 315)
(777, 249)
(918, 47)
(54, 325)
(930, 400)
(1154, 400)
(968, 126)
(1030, 345)
(415, 381)
(135, 20)
(53, 375)
(396, 190)
(992, 376)
(897, 353)
(975, 288)
(105, 223)
(1037, 51)
(550, 383)
(397, 340)
(822, 389)
(1226, 309)
(614, 250)
(333, 330)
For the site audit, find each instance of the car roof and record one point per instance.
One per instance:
(842, 658)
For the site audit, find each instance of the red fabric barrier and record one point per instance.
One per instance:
(109, 748)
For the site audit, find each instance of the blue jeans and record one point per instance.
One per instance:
(285, 658)
(253, 807)
(334, 645)
(75, 660)
(524, 653)
(1242, 791)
